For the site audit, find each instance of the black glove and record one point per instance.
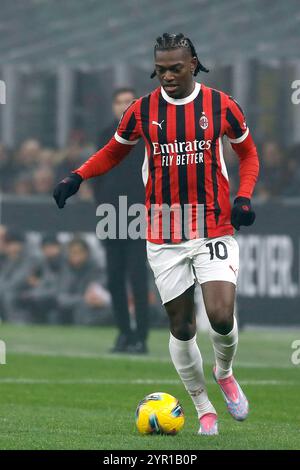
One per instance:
(242, 213)
(66, 188)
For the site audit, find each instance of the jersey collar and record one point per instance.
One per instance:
(185, 100)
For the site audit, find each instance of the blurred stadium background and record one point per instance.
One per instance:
(60, 63)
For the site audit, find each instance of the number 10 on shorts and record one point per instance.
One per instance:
(218, 250)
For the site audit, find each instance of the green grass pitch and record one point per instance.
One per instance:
(60, 389)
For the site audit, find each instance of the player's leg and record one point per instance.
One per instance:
(219, 298)
(138, 275)
(187, 358)
(116, 272)
(174, 277)
(216, 264)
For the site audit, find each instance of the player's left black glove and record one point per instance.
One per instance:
(242, 213)
(66, 188)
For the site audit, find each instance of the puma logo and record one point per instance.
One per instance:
(234, 270)
(159, 124)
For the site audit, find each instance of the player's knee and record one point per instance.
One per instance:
(184, 331)
(181, 327)
(221, 317)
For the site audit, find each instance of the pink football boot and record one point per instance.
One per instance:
(235, 399)
(208, 425)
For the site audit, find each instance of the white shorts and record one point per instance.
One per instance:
(177, 266)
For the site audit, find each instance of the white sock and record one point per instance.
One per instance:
(225, 347)
(187, 360)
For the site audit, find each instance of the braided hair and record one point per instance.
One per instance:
(174, 41)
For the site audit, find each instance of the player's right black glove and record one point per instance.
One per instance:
(66, 188)
(242, 213)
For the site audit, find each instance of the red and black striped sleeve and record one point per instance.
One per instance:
(236, 127)
(119, 146)
(244, 146)
(128, 131)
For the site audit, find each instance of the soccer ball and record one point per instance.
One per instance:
(159, 413)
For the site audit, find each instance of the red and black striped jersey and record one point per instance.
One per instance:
(184, 167)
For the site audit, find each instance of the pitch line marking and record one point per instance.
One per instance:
(164, 360)
(91, 381)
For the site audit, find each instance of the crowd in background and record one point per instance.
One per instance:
(57, 282)
(33, 169)
(279, 170)
(50, 282)
(61, 283)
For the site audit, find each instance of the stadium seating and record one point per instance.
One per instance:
(101, 33)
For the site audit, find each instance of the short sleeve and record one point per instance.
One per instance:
(128, 129)
(236, 126)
